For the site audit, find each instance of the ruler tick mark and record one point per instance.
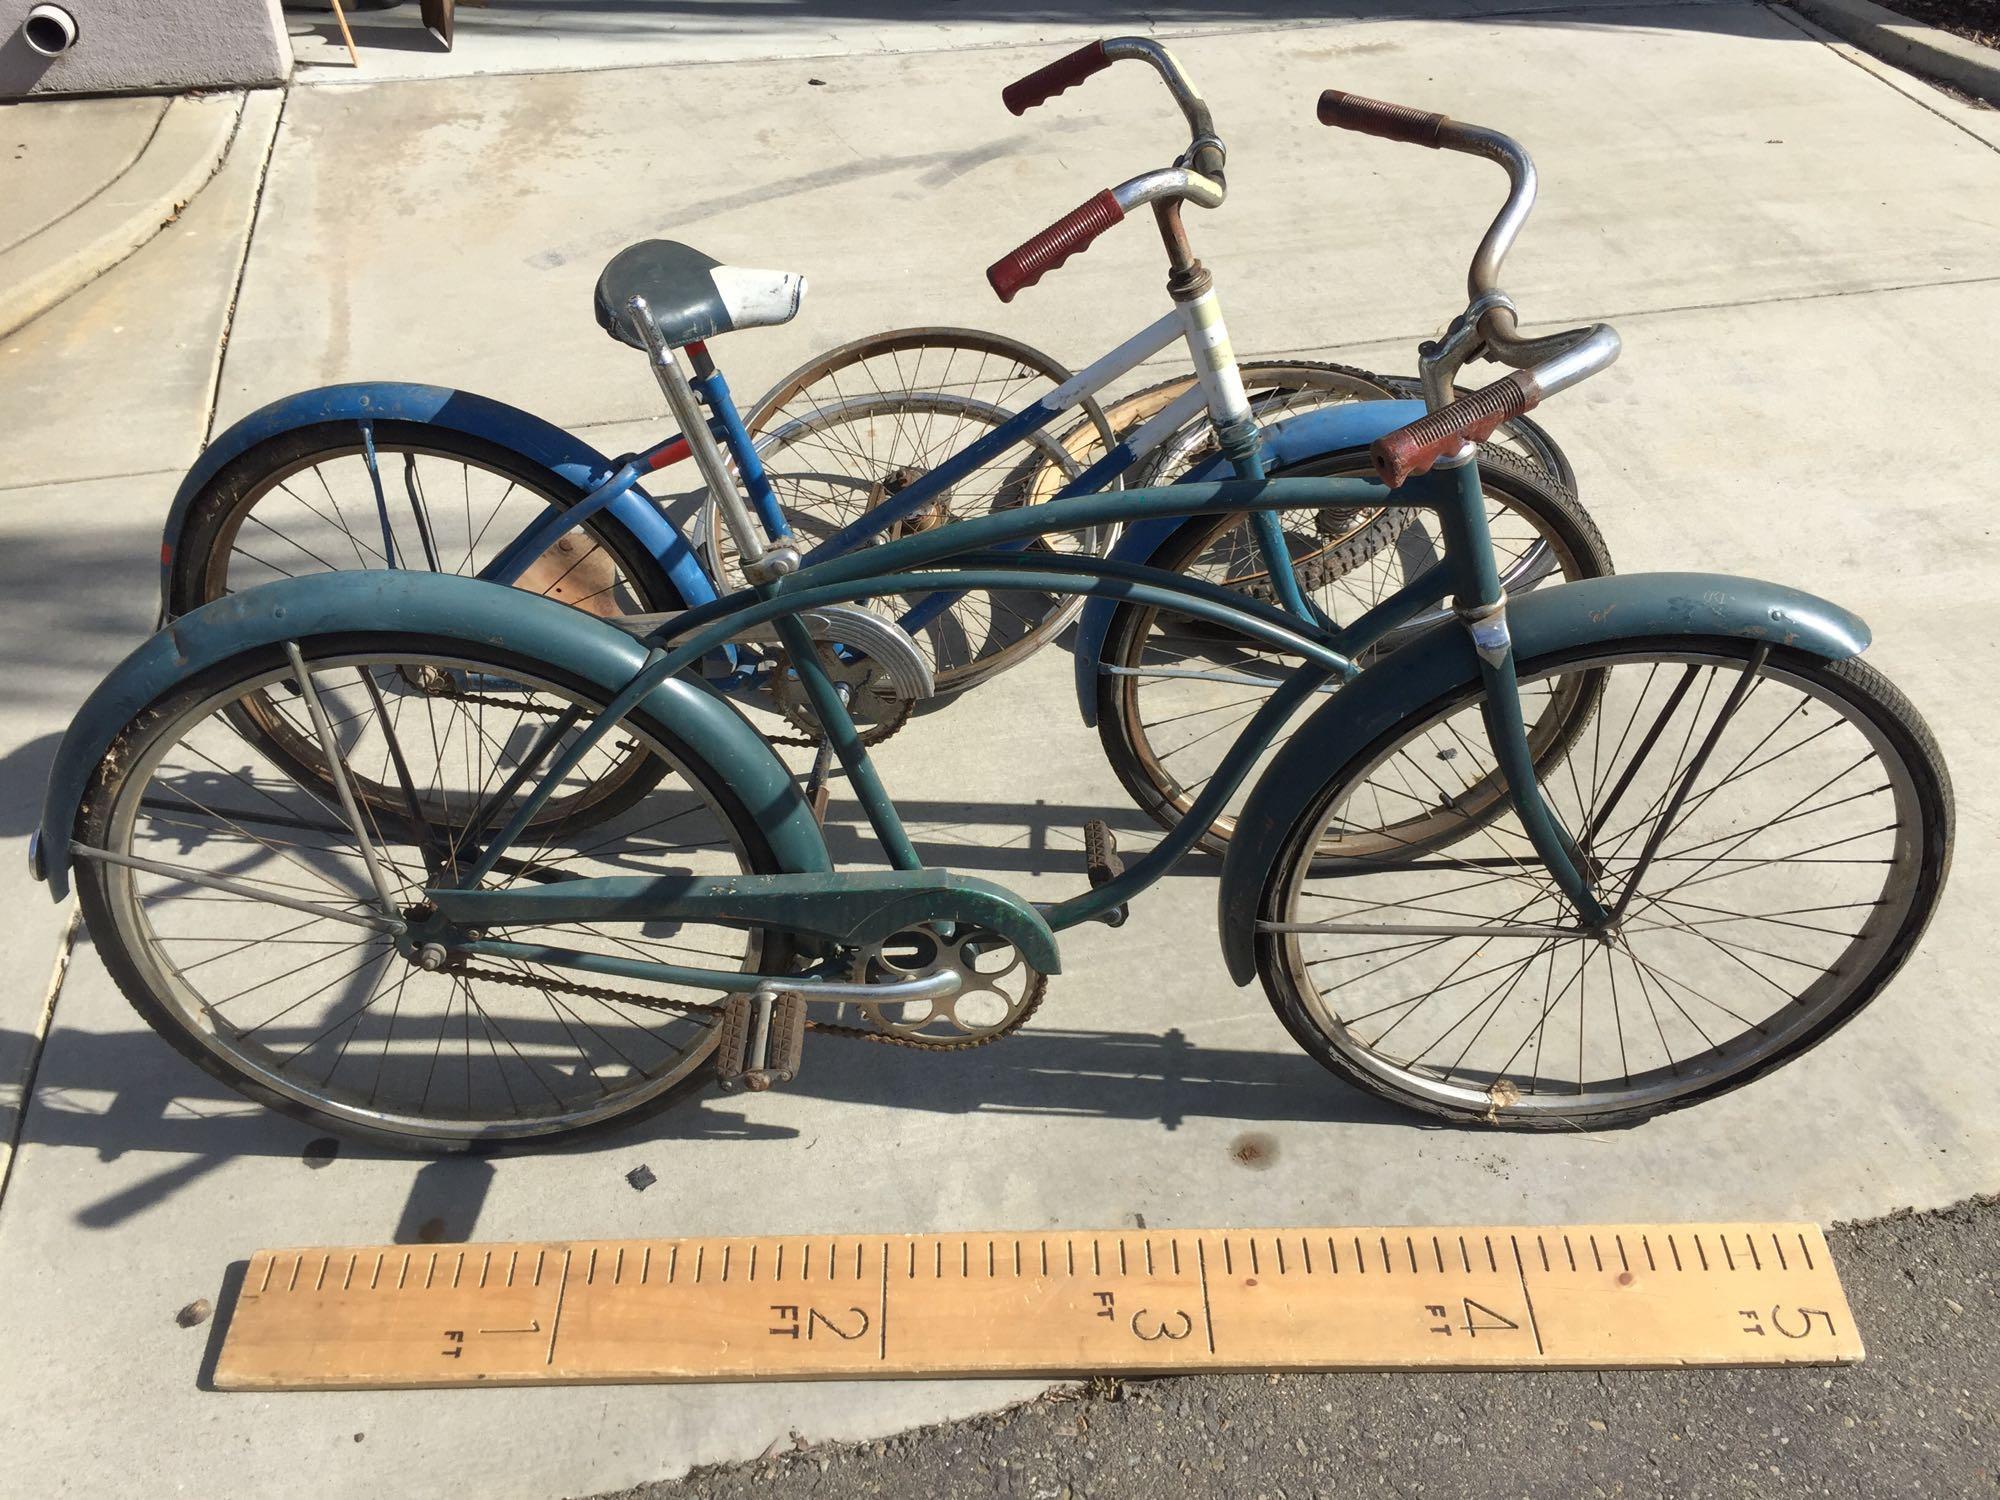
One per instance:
(555, 1323)
(673, 1261)
(753, 1260)
(1121, 1255)
(1207, 1316)
(1528, 1297)
(1387, 1265)
(806, 1273)
(1017, 1257)
(1332, 1256)
(646, 1266)
(458, 1270)
(1410, 1245)
(430, 1271)
(485, 1266)
(1306, 1249)
(1360, 1260)
(1646, 1244)
(1805, 1250)
(1437, 1250)
(1228, 1260)
(1619, 1241)
(539, 1256)
(1464, 1255)
(1491, 1264)
(354, 1264)
(1756, 1261)
(1675, 1250)
(293, 1284)
(590, 1268)
(1703, 1254)
(991, 1259)
(725, 1262)
(375, 1279)
(857, 1259)
(1778, 1246)
(1256, 1269)
(1045, 1257)
(700, 1255)
(324, 1262)
(1568, 1250)
(1279, 1245)
(1542, 1245)
(1727, 1254)
(1595, 1254)
(882, 1322)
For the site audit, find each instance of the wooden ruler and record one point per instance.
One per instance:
(850, 1306)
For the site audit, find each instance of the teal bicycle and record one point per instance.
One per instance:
(1567, 858)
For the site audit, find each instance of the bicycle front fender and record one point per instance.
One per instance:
(1311, 435)
(384, 604)
(1633, 606)
(460, 411)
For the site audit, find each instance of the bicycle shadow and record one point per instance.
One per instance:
(123, 1093)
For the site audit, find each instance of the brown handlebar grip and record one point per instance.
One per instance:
(1027, 263)
(1393, 122)
(1409, 451)
(1042, 85)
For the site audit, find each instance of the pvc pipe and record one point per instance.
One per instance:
(49, 29)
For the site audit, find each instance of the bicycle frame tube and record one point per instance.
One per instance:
(974, 554)
(891, 569)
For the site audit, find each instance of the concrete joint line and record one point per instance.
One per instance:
(38, 1042)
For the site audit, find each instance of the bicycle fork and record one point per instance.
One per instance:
(1480, 604)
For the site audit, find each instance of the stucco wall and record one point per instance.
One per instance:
(126, 45)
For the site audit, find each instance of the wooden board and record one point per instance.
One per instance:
(1131, 1302)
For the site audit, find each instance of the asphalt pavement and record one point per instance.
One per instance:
(1919, 1417)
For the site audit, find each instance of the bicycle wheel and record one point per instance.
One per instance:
(299, 1007)
(836, 463)
(305, 502)
(1778, 828)
(1172, 691)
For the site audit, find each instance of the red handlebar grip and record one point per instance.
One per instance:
(1026, 264)
(1045, 83)
(1413, 450)
(1393, 122)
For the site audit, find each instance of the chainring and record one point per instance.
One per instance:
(998, 988)
(877, 708)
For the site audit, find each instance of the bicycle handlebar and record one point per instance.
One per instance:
(1393, 122)
(1042, 85)
(1026, 263)
(1543, 365)
(1419, 447)
(1197, 177)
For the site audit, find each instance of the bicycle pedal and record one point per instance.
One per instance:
(762, 1041)
(1100, 854)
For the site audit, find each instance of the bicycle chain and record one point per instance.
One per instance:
(692, 1007)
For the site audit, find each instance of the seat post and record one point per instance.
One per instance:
(751, 546)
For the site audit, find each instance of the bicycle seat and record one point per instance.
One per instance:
(691, 296)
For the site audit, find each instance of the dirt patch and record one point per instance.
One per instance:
(1975, 20)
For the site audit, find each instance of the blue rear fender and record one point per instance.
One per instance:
(1296, 440)
(404, 604)
(495, 422)
(1633, 606)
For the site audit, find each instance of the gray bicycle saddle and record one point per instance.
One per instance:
(690, 295)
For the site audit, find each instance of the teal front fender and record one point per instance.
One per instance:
(384, 605)
(1635, 606)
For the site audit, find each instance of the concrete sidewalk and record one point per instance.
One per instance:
(1801, 252)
